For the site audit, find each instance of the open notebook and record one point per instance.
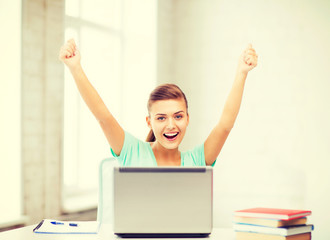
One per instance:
(51, 226)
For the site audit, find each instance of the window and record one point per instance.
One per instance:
(117, 40)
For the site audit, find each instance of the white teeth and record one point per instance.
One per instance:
(171, 134)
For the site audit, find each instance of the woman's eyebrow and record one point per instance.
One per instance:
(179, 112)
(164, 114)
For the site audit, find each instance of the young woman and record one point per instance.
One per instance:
(168, 118)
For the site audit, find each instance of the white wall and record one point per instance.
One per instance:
(139, 63)
(10, 100)
(278, 153)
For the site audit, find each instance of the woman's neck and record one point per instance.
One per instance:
(164, 156)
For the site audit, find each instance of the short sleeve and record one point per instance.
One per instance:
(135, 153)
(129, 142)
(214, 162)
(195, 157)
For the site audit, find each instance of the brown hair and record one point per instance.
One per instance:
(164, 92)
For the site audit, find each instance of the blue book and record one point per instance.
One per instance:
(282, 231)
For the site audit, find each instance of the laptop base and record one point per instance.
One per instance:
(162, 235)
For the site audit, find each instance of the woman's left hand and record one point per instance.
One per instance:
(248, 60)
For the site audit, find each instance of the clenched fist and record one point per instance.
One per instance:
(69, 54)
(248, 60)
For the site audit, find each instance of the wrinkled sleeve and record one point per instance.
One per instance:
(196, 157)
(130, 142)
(199, 157)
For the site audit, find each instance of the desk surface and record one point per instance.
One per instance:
(25, 233)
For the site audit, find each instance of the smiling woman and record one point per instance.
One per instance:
(166, 92)
(168, 121)
(168, 117)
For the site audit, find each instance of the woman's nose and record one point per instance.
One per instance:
(170, 123)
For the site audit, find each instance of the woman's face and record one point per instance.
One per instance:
(168, 119)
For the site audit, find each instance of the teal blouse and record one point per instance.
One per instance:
(138, 153)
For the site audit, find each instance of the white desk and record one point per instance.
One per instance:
(105, 233)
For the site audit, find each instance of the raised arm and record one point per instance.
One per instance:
(70, 56)
(215, 141)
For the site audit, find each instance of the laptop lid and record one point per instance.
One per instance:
(163, 201)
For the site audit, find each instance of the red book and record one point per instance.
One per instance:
(273, 213)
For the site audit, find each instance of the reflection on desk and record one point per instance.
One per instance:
(105, 233)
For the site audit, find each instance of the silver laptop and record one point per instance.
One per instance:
(163, 201)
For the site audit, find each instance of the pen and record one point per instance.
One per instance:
(57, 223)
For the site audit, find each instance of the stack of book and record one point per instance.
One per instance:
(272, 224)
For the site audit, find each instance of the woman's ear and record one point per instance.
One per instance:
(148, 121)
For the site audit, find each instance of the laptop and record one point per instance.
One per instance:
(163, 201)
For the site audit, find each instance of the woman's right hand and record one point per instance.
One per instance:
(69, 54)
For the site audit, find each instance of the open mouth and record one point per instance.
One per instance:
(171, 136)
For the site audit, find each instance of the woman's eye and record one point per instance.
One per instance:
(178, 116)
(161, 118)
